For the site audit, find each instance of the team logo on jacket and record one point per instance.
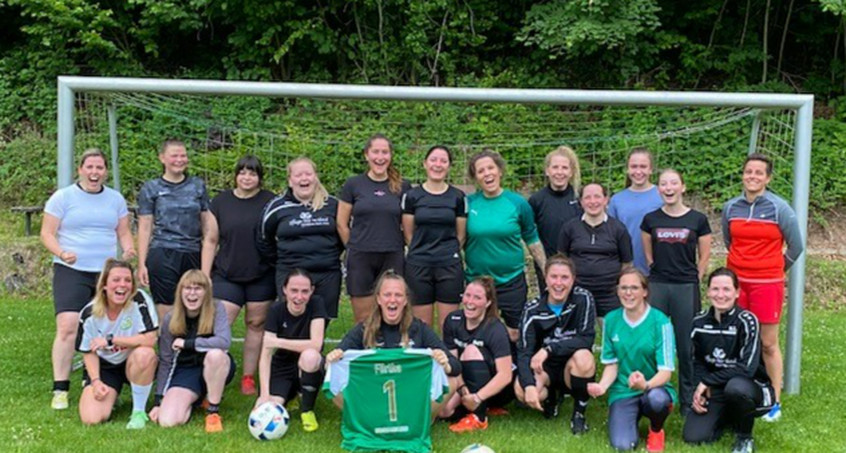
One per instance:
(305, 215)
(672, 235)
(126, 324)
(379, 193)
(719, 354)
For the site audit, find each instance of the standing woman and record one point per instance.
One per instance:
(240, 277)
(499, 222)
(369, 223)
(434, 223)
(173, 225)
(558, 202)
(117, 331)
(677, 244)
(298, 231)
(193, 355)
(478, 338)
(639, 198)
(290, 362)
(599, 247)
(639, 357)
(756, 226)
(733, 387)
(81, 228)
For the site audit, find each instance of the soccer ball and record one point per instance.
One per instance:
(477, 448)
(269, 421)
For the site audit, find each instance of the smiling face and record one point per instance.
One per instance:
(118, 286)
(378, 157)
(488, 176)
(297, 293)
(722, 293)
(559, 281)
(639, 169)
(475, 302)
(303, 180)
(671, 187)
(593, 200)
(247, 180)
(174, 158)
(755, 177)
(559, 171)
(437, 165)
(391, 299)
(92, 173)
(193, 296)
(631, 292)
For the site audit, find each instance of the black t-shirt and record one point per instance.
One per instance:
(376, 214)
(293, 235)
(675, 241)
(238, 257)
(283, 324)
(553, 208)
(434, 241)
(598, 252)
(491, 335)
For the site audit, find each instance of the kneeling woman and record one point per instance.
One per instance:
(639, 354)
(733, 387)
(479, 339)
(193, 355)
(117, 334)
(294, 331)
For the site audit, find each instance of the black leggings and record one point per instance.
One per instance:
(736, 405)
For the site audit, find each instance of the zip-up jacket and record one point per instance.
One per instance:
(728, 348)
(755, 234)
(561, 335)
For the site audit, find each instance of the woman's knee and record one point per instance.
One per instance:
(216, 358)
(583, 363)
(143, 357)
(658, 400)
(170, 418)
(695, 434)
(622, 441)
(310, 361)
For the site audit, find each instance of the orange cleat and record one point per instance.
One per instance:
(467, 424)
(655, 441)
(214, 424)
(248, 385)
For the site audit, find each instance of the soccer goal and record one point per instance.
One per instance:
(705, 135)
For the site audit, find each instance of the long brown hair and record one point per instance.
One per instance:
(394, 177)
(318, 199)
(178, 323)
(101, 302)
(487, 283)
(373, 322)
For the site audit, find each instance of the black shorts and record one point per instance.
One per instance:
(327, 285)
(72, 289)
(261, 289)
(430, 284)
(284, 380)
(165, 267)
(605, 302)
(191, 377)
(363, 268)
(554, 368)
(112, 375)
(511, 299)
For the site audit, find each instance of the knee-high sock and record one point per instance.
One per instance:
(140, 395)
(476, 375)
(310, 383)
(580, 393)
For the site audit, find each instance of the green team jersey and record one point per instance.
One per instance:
(387, 398)
(496, 230)
(646, 345)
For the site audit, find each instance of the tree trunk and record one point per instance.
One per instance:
(766, 40)
(784, 38)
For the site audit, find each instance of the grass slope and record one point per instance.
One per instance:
(812, 421)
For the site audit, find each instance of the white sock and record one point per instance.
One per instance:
(140, 395)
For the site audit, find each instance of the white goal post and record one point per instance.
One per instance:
(801, 104)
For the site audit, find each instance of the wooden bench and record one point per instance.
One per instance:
(28, 211)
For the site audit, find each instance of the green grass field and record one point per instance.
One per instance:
(813, 421)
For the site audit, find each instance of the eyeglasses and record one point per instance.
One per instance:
(626, 289)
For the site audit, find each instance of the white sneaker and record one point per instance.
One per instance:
(60, 400)
(773, 415)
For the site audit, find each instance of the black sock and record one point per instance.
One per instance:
(476, 375)
(213, 408)
(61, 385)
(580, 393)
(310, 384)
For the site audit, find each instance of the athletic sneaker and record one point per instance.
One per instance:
(468, 424)
(578, 424)
(743, 445)
(138, 420)
(774, 413)
(655, 440)
(309, 421)
(60, 400)
(550, 405)
(248, 385)
(214, 424)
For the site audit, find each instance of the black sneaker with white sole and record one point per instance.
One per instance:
(578, 424)
(743, 445)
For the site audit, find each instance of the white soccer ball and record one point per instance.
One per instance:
(269, 421)
(477, 448)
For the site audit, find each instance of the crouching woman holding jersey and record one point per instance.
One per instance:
(194, 361)
(733, 387)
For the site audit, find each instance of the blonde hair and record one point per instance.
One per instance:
(318, 199)
(101, 302)
(374, 321)
(567, 153)
(93, 152)
(178, 323)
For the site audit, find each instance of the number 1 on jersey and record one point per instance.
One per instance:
(390, 387)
